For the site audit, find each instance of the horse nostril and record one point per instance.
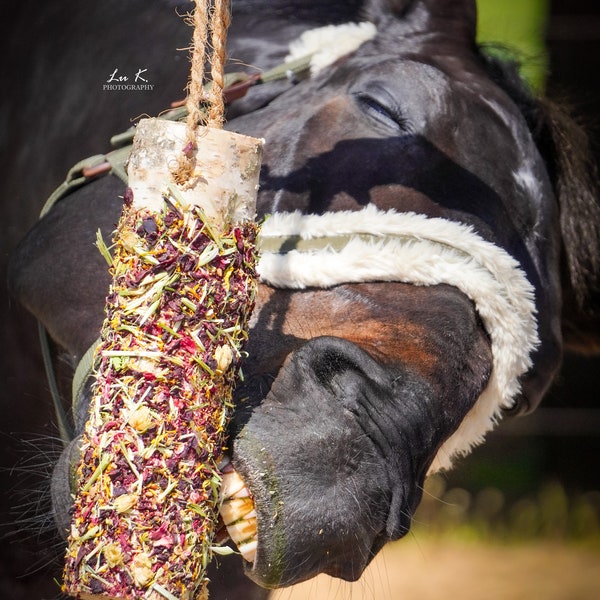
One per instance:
(330, 364)
(332, 356)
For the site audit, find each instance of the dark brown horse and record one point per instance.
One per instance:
(429, 216)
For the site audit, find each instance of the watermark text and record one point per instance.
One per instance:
(118, 81)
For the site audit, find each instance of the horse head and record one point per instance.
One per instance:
(422, 220)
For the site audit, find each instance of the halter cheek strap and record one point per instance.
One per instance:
(372, 245)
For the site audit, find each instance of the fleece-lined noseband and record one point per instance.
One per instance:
(369, 245)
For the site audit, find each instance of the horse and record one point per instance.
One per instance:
(430, 248)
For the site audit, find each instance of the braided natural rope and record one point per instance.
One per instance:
(205, 18)
(195, 91)
(220, 22)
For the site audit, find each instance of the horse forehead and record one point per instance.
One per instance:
(439, 48)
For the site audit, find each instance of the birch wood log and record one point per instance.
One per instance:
(176, 321)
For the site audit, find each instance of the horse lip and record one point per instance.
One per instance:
(348, 571)
(263, 570)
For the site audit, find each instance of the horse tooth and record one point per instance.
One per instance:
(242, 529)
(243, 534)
(232, 484)
(234, 509)
(248, 550)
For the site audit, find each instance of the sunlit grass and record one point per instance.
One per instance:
(487, 515)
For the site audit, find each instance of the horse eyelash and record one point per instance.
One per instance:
(383, 111)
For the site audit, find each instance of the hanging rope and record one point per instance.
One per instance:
(220, 22)
(205, 108)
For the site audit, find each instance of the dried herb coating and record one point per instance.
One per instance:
(176, 323)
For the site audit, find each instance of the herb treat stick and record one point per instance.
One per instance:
(176, 321)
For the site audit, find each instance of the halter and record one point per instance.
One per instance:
(369, 245)
(298, 251)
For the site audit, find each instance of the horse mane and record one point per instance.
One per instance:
(565, 147)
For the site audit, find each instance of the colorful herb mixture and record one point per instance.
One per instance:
(176, 322)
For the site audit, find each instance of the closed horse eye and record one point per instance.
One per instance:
(389, 116)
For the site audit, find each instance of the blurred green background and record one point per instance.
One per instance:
(520, 25)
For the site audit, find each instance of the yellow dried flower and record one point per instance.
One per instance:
(125, 502)
(130, 240)
(141, 419)
(142, 570)
(224, 357)
(113, 554)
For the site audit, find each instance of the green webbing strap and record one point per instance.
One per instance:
(75, 179)
(64, 428)
(117, 160)
(283, 244)
(84, 370)
(297, 68)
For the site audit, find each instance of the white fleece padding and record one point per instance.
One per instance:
(415, 249)
(327, 44)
